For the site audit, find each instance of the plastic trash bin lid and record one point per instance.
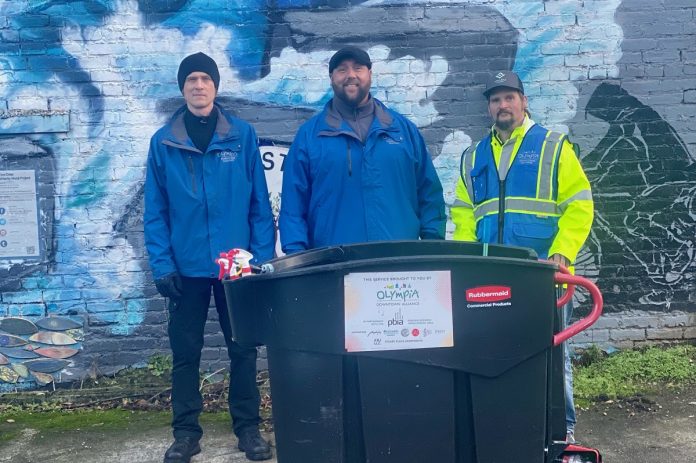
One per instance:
(381, 249)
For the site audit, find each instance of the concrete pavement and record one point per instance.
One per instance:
(662, 428)
(117, 446)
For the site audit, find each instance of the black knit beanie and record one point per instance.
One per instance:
(198, 62)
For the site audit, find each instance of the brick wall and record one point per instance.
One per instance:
(84, 84)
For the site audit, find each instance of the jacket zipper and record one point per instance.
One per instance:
(192, 173)
(350, 160)
(501, 210)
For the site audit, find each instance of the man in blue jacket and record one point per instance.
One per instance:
(358, 171)
(205, 193)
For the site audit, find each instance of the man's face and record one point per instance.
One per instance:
(507, 108)
(351, 82)
(199, 93)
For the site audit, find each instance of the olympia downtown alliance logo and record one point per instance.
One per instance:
(403, 292)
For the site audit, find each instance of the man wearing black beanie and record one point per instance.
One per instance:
(205, 193)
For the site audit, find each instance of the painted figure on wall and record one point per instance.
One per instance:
(108, 65)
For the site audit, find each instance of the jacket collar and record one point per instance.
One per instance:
(224, 129)
(332, 120)
(520, 131)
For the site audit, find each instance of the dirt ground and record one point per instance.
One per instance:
(134, 444)
(660, 428)
(657, 428)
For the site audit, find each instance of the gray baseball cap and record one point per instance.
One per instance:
(506, 79)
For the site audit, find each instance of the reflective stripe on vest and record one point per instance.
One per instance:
(465, 167)
(582, 194)
(518, 205)
(460, 203)
(505, 157)
(552, 145)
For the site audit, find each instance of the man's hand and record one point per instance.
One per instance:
(559, 259)
(169, 286)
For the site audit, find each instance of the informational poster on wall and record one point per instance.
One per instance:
(19, 226)
(398, 310)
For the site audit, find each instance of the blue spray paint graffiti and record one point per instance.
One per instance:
(112, 66)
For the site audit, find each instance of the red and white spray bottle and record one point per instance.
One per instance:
(234, 264)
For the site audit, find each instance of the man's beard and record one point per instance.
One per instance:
(355, 100)
(504, 125)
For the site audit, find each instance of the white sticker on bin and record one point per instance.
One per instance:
(398, 310)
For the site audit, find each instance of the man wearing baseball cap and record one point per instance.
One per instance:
(523, 185)
(205, 193)
(358, 171)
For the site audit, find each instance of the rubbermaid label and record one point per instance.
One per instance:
(489, 294)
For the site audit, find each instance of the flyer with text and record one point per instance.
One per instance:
(398, 310)
(19, 223)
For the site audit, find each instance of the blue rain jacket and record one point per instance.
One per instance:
(337, 190)
(198, 205)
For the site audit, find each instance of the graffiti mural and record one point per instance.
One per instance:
(644, 183)
(84, 83)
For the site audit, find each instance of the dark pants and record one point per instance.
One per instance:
(187, 318)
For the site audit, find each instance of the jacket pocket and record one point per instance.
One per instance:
(535, 230)
(538, 236)
(172, 307)
(319, 226)
(479, 181)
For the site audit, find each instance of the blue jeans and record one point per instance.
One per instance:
(568, 373)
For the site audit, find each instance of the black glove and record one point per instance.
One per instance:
(169, 285)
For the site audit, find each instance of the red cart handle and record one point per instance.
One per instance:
(586, 322)
(570, 289)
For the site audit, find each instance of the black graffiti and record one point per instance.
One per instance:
(643, 183)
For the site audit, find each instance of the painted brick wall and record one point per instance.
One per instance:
(83, 85)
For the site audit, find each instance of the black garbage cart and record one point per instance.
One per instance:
(412, 352)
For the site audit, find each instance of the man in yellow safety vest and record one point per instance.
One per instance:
(523, 185)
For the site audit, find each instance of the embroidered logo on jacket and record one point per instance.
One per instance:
(228, 155)
(527, 157)
(390, 140)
